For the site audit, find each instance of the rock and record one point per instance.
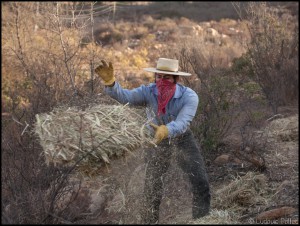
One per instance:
(212, 32)
(238, 161)
(222, 159)
(275, 213)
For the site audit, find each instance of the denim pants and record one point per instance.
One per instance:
(189, 158)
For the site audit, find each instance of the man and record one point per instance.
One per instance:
(171, 107)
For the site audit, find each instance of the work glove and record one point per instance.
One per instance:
(106, 73)
(161, 132)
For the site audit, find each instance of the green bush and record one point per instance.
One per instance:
(242, 66)
(216, 109)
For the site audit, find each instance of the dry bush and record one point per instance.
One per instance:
(108, 34)
(273, 53)
(33, 193)
(251, 97)
(122, 33)
(45, 56)
(43, 65)
(215, 85)
(253, 147)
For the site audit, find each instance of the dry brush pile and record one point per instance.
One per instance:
(91, 138)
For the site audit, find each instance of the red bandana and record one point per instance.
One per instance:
(166, 90)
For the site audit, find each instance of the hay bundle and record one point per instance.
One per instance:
(93, 136)
(243, 192)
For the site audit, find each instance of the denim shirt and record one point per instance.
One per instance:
(180, 110)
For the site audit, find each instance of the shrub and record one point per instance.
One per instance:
(42, 67)
(273, 54)
(216, 88)
(216, 109)
(33, 193)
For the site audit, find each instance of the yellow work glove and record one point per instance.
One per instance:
(161, 132)
(106, 73)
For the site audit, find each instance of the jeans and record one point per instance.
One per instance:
(189, 158)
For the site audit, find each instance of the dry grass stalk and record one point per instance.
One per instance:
(96, 135)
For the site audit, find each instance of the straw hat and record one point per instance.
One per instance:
(167, 66)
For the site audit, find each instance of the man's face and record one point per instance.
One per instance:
(159, 76)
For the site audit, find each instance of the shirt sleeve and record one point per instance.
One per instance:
(185, 115)
(135, 96)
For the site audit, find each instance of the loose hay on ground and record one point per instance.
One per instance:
(94, 136)
(217, 217)
(284, 129)
(236, 198)
(243, 192)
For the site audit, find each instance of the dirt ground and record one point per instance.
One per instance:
(117, 193)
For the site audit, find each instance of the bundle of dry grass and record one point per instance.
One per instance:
(245, 191)
(90, 138)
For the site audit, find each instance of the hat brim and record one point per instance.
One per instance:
(167, 72)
